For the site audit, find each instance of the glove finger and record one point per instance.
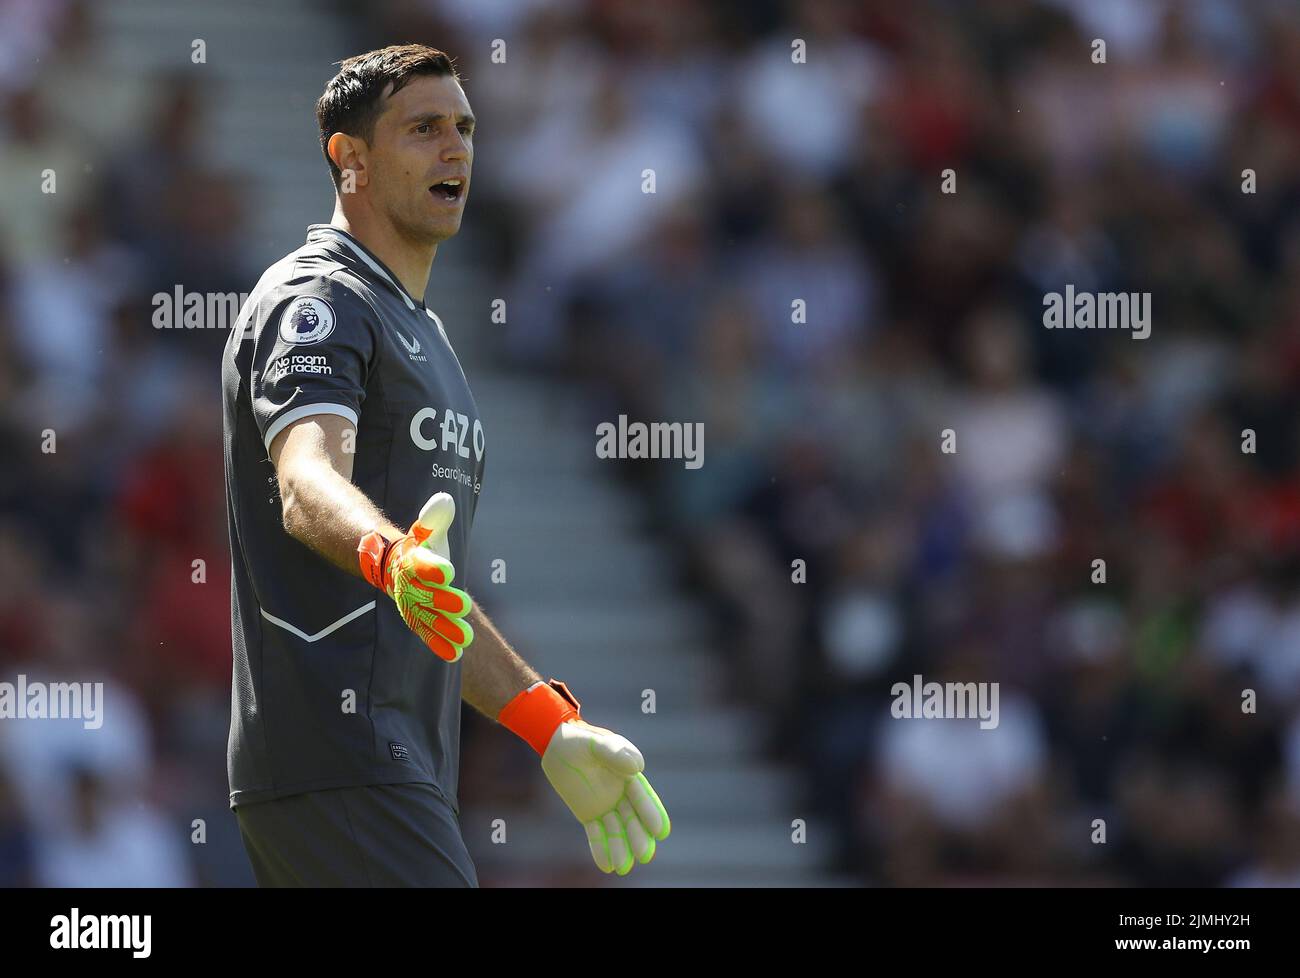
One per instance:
(436, 516)
(599, 847)
(649, 809)
(437, 644)
(641, 842)
(620, 854)
(430, 567)
(451, 600)
(457, 631)
(448, 600)
(616, 752)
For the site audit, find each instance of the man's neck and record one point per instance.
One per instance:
(411, 264)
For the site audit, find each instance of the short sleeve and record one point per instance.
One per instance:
(312, 355)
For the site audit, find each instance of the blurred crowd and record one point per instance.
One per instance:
(1123, 755)
(114, 565)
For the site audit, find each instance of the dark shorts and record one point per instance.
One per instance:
(373, 835)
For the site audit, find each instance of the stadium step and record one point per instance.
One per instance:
(267, 97)
(590, 597)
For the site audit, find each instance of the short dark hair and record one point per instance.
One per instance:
(351, 100)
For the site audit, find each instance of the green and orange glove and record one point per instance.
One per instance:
(595, 771)
(416, 572)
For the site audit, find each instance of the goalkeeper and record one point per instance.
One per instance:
(344, 401)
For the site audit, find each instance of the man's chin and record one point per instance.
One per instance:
(443, 226)
(430, 233)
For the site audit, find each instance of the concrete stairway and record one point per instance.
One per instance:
(267, 64)
(588, 596)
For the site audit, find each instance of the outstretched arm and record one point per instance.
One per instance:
(493, 673)
(320, 506)
(595, 771)
(323, 509)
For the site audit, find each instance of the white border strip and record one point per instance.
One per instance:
(306, 411)
(323, 632)
(438, 323)
(373, 266)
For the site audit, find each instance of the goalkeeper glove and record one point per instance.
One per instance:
(416, 572)
(595, 771)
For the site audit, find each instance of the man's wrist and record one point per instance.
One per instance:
(537, 712)
(373, 552)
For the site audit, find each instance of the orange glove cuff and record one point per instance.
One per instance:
(535, 714)
(372, 552)
(375, 552)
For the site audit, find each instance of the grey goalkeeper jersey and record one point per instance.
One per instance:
(330, 688)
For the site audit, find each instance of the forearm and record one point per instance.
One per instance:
(492, 673)
(596, 772)
(325, 511)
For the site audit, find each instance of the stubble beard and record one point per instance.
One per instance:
(423, 233)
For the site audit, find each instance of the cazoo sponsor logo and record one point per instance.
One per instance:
(450, 432)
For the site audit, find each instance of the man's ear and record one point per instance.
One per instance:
(349, 153)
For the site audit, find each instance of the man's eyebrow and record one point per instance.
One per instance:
(463, 118)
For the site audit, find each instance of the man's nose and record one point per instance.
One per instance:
(455, 148)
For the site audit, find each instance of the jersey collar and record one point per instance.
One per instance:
(326, 232)
(320, 232)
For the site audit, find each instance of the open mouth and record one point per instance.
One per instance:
(448, 190)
